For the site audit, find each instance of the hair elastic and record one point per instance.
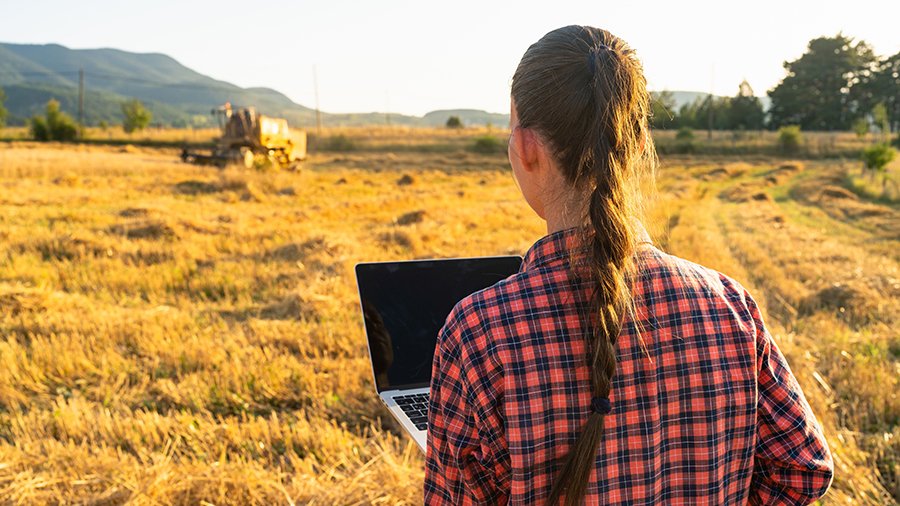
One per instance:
(592, 56)
(601, 405)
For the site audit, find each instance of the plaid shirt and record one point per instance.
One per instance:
(705, 407)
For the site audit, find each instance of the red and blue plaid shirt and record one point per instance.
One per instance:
(705, 407)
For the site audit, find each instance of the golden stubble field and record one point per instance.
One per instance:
(180, 334)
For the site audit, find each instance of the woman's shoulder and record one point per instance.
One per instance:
(690, 287)
(480, 305)
(479, 312)
(666, 271)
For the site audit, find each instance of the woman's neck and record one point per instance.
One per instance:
(564, 209)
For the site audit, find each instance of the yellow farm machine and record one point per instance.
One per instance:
(252, 140)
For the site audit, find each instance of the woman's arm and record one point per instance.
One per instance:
(792, 464)
(466, 460)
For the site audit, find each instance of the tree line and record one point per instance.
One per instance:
(837, 84)
(741, 112)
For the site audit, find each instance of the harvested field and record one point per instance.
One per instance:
(180, 334)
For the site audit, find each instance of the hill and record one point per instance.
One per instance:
(469, 117)
(31, 74)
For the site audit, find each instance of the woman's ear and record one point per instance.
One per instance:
(527, 148)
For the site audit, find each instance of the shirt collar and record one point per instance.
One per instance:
(562, 244)
(554, 246)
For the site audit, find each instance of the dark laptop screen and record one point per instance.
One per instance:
(405, 305)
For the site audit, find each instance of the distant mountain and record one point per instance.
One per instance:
(469, 117)
(33, 74)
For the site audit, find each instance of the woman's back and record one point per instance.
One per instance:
(704, 408)
(607, 369)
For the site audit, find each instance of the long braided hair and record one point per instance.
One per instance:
(583, 90)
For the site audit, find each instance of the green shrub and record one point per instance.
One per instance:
(3, 111)
(789, 138)
(684, 134)
(339, 143)
(878, 156)
(56, 126)
(38, 129)
(63, 129)
(876, 159)
(487, 144)
(136, 116)
(454, 122)
(684, 140)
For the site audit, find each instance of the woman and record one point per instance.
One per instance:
(607, 371)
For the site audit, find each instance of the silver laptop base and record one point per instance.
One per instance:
(387, 397)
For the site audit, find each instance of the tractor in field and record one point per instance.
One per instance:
(252, 140)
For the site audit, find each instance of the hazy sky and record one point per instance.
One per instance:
(415, 56)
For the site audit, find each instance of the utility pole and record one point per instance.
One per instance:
(81, 103)
(709, 124)
(318, 111)
(387, 108)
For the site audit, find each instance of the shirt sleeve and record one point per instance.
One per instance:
(466, 458)
(793, 464)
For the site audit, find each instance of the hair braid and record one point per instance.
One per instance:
(584, 91)
(611, 246)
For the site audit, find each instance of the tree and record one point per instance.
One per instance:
(876, 159)
(38, 129)
(720, 113)
(861, 127)
(882, 86)
(55, 126)
(3, 112)
(662, 110)
(687, 115)
(696, 115)
(745, 112)
(454, 122)
(880, 118)
(816, 92)
(137, 117)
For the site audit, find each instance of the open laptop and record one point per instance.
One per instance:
(404, 306)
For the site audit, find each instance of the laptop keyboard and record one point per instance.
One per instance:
(416, 408)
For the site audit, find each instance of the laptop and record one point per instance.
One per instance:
(404, 305)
